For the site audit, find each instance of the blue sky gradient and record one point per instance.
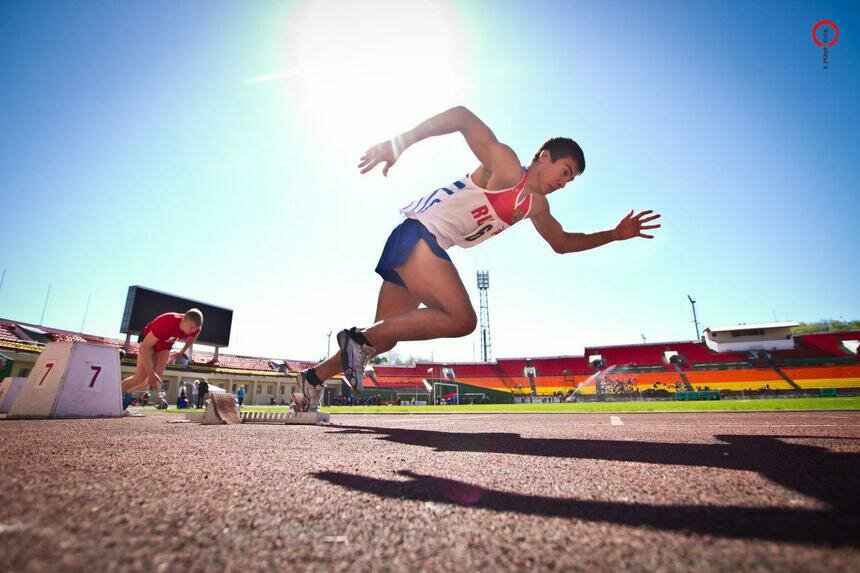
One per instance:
(137, 148)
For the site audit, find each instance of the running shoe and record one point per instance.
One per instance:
(354, 354)
(311, 393)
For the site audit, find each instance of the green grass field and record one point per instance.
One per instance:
(662, 406)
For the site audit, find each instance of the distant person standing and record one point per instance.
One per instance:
(202, 391)
(240, 395)
(182, 399)
(154, 352)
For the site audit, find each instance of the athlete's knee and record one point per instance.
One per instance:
(465, 323)
(382, 348)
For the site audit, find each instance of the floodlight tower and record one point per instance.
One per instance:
(483, 287)
(695, 320)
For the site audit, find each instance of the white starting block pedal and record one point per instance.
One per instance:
(221, 408)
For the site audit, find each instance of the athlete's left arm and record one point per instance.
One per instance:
(188, 343)
(563, 242)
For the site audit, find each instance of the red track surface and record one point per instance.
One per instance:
(670, 492)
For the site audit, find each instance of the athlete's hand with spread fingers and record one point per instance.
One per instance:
(385, 152)
(632, 226)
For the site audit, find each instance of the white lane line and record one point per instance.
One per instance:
(754, 425)
(615, 421)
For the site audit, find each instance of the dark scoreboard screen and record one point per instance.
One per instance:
(143, 304)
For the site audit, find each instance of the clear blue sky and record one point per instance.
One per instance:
(208, 149)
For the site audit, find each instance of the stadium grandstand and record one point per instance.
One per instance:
(742, 359)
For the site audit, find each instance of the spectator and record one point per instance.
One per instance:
(182, 399)
(202, 391)
(195, 392)
(162, 401)
(240, 395)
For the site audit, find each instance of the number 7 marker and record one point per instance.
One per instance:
(48, 367)
(98, 370)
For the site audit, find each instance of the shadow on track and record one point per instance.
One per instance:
(813, 471)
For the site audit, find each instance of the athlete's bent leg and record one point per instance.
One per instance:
(435, 282)
(139, 379)
(393, 300)
(159, 361)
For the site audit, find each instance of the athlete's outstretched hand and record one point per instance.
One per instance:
(633, 225)
(380, 153)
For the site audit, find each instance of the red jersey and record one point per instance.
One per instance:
(165, 327)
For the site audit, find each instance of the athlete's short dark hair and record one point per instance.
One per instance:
(559, 147)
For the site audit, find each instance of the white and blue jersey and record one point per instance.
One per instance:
(465, 214)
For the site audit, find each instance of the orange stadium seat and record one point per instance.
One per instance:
(563, 373)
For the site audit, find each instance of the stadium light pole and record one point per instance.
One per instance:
(86, 310)
(695, 320)
(45, 306)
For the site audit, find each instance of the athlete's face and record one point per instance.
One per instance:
(187, 326)
(556, 174)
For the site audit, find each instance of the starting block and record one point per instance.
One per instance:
(223, 409)
(9, 389)
(291, 417)
(71, 380)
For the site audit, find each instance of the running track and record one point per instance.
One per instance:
(670, 492)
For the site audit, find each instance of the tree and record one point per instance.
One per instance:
(394, 357)
(826, 325)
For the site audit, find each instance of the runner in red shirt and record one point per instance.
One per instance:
(154, 354)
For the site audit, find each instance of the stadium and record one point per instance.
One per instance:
(762, 360)
(291, 210)
(510, 485)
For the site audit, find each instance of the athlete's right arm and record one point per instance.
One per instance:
(480, 138)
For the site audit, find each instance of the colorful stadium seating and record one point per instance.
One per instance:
(817, 361)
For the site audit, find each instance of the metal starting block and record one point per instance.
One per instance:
(222, 409)
(291, 417)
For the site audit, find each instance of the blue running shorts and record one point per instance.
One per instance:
(399, 246)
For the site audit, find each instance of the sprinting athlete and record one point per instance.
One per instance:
(154, 354)
(414, 266)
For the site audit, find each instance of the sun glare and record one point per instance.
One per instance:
(367, 69)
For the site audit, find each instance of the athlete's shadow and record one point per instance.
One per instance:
(830, 477)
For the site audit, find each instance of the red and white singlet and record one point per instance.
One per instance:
(464, 214)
